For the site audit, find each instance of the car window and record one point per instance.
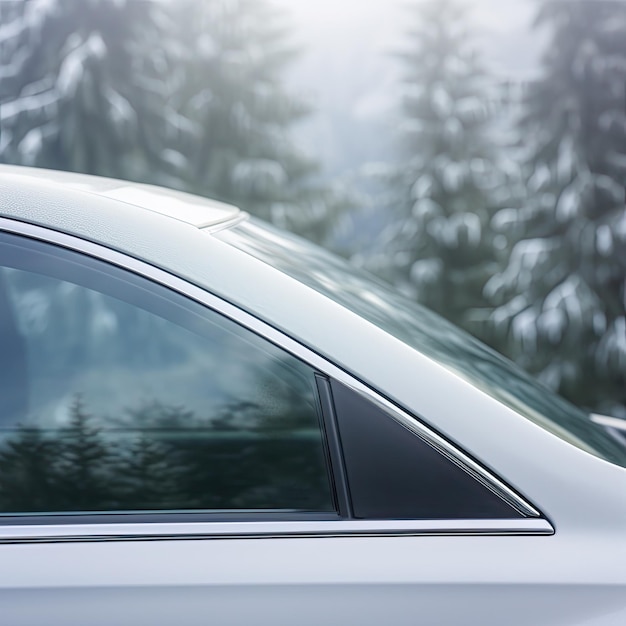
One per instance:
(118, 395)
(394, 474)
(425, 331)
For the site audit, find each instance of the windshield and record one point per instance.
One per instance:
(426, 332)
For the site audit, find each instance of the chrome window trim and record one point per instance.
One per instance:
(274, 529)
(247, 320)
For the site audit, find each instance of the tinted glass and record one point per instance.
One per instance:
(118, 395)
(425, 331)
(393, 474)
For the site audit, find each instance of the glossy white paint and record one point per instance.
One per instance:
(194, 210)
(576, 576)
(487, 581)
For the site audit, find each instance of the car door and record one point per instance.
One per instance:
(166, 458)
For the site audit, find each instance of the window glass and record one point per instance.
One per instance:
(394, 474)
(118, 395)
(426, 332)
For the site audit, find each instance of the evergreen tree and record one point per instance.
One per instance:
(29, 478)
(237, 115)
(147, 476)
(186, 94)
(438, 245)
(562, 304)
(80, 87)
(83, 463)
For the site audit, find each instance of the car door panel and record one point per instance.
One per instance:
(367, 580)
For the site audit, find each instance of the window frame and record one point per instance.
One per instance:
(95, 275)
(108, 526)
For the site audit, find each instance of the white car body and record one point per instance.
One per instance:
(562, 563)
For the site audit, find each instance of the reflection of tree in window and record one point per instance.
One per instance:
(133, 410)
(28, 472)
(82, 460)
(163, 465)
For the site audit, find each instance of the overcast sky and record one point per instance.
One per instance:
(502, 25)
(347, 72)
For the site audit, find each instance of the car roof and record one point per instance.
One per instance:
(194, 210)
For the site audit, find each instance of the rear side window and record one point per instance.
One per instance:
(119, 395)
(393, 474)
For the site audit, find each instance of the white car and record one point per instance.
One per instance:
(204, 420)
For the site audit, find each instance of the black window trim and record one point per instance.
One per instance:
(310, 523)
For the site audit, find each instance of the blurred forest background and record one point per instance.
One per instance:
(489, 186)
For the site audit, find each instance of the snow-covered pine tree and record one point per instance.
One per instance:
(562, 306)
(80, 87)
(443, 192)
(229, 87)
